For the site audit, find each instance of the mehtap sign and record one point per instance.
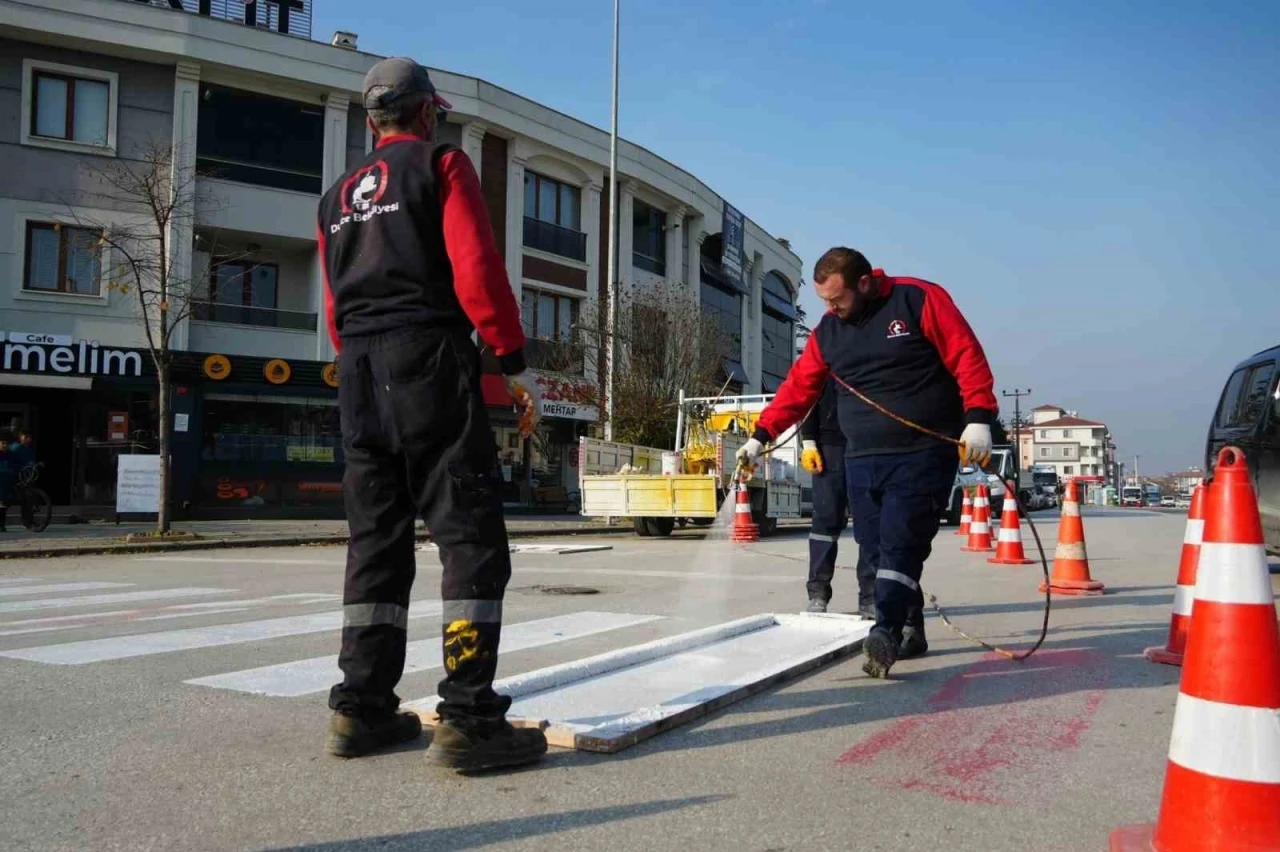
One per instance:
(566, 398)
(292, 17)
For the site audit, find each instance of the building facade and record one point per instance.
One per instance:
(1076, 448)
(262, 118)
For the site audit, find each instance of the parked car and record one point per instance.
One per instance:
(1248, 417)
(1168, 502)
(1182, 501)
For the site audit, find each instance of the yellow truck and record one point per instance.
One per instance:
(660, 489)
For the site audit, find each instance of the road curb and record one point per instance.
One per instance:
(263, 541)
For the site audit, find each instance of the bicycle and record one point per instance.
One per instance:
(34, 506)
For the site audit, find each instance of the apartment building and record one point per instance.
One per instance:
(1076, 448)
(266, 117)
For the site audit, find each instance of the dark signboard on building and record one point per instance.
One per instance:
(731, 239)
(292, 17)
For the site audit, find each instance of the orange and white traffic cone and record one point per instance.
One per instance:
(1070, 574)
(966, 514)
(980, 528)
(745, 530)
(1222, 780)
(1180, 623)
(1009, 541)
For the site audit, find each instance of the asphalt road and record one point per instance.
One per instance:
(109, 745)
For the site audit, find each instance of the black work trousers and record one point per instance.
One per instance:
(830, 517)
(897, 500)
(417, 439)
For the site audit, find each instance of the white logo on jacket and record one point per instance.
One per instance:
(897, 328)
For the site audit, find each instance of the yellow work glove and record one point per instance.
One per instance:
(811, 457)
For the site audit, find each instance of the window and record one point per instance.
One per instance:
(260, 139)
(547, 316)
(1231, 399)
(62, 259)
(1066, 433)
(777, 329)
(1066, 452)
(725, 308)
(65, 106)
(1256, 393)
(553, 217)
(1044, 434)
(1044, 452)
(1067, 470)
(648, 238)
(243, 283)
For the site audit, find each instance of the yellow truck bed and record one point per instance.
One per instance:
(624, 495)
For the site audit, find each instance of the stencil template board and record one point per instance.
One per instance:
(612, 701)
(538, 548)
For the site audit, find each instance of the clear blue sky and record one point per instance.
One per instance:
(1097, 186)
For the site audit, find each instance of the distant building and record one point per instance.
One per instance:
(1075, 447)
(1188, 479)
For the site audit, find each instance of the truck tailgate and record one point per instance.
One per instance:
(627, 496)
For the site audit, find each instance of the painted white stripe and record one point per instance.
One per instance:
(58, 588)
(1009, 534)
(884, 574)
(84, 616)
(237, 560)
(979, 528)
(78, 622)
(13, 581)
(105, 600)
(1070, 550)
(1183, 598)
(305, 677)
(1194, 533)
(1234, 574)
(174, 615)
(143, 644)
(298, 598)
(1226, 740)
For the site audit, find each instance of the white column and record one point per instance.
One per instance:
(675, 242)
(696, 237)
(472, 142)
(626, 239)
(335, 138)
(595, 260)
(186, 115)
(324, 346)
(754, 315)
(515, 218)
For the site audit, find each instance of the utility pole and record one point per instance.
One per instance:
(1017, 443)
(611, 290)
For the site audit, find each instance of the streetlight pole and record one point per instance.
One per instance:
(611, 287)
(1017, 444)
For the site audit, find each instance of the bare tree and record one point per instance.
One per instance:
(152, 198)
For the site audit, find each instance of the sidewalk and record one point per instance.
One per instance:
(106, 537)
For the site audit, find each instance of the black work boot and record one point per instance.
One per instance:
(817, 605)
(881, 652)
(913, 643)
(867, 611)
(356, 736)
(476, 749)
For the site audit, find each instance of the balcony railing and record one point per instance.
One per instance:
(554, 357)
(549, 237)
(256, 317)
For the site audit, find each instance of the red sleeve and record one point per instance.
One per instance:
(799, 392)
(479, 271)
(328, 291)
(949, 332)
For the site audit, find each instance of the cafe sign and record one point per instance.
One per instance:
(567, 398)
(32, 352)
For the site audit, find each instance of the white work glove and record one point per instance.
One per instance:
(748, 453)
(524, 390)
(975, 445)
(811, 457)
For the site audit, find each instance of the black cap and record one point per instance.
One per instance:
(391, 79)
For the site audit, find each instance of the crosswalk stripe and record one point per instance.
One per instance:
(144, 644)
(304, 677)
(59, 622)
(13, 581)
(104, 600)
(57, 588)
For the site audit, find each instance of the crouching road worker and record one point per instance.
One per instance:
(411, 268)
(823, 456)
(904, 344)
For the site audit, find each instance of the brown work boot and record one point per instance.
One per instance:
(356, 736)
(477, 750)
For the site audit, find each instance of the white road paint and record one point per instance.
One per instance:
(58, 588)
(13, 581)
(144, 644)
(107, 600)
(614, 693)
(84, 616)
(305, 677)
(536, 548)
(193, 614)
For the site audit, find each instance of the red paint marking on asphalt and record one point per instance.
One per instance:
(991, 729)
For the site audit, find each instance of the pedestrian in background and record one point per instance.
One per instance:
(904, 344)
(411, 268)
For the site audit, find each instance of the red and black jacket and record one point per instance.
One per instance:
(405, 240)
(910, 350)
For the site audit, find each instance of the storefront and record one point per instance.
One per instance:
(539, 472)
(249, 435)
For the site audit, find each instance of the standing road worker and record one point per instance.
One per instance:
(823, 456)
(411, 269)
(904, 344)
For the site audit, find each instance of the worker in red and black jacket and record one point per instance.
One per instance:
(823, 451)
(904, 344)
(411, 269)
